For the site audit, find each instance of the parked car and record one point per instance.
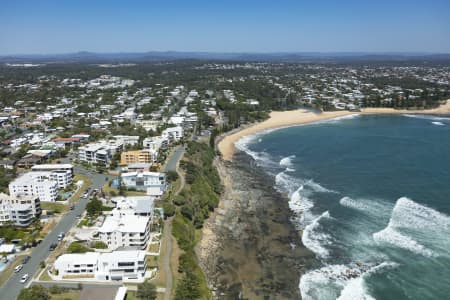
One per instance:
(78, 216)
(18, 268)
(60, 236)
(53, 246)
(72, 207)
(24, 278)
(26, 259)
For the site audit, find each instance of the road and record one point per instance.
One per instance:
(174, 159)
(11, 289)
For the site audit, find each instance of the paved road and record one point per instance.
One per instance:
(11, 289)
(174, 159)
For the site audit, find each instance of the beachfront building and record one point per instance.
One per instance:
(113, 266)
(138, 156)
(135, 205)
(18, 211)
(38, 184)
(173, 133)
(152, 182)
(125, 230)
(62, 174)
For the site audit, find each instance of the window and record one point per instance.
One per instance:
(125, 264)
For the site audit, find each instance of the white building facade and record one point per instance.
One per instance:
(114, 266)
(39, 184)
(18, 211)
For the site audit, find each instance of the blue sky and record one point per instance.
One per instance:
(44, 26)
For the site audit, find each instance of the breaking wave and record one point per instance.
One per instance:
(314, 238)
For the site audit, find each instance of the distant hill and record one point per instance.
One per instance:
(93, 57)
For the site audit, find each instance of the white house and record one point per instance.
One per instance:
(117, 265)
(35, 184)
(19, 211)
(125, 230)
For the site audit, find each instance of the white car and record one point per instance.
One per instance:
(24, 278)
(18, 268)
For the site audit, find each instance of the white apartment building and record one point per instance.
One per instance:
(173, 133)
(35, 184)
(18, 211)
(127, 139)
(99, 153)
(125, 230)
(155, 143)
(117, 265)
(144, 180)
(62, 174)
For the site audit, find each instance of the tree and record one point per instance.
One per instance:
(94, 207)
(188, 288)
(99, 245)
(171, 176)
(169, 209)
(35, 292)
(146, 291)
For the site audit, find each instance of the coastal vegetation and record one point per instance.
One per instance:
(192, 207)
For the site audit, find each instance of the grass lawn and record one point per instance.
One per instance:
(9, 271)
(44, 276)
(54, 206)
(72, 295)
(86, 183)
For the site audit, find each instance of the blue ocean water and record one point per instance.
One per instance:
(372, 197)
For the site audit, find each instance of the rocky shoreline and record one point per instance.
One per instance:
(249, 247)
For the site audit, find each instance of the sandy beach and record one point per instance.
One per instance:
(303, 116)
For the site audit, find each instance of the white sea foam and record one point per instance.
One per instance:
(314, 239)
(438, 123)
(369, 206)
(395, 238)
(338, 119)
(409, 214)
(427, 117)
(413, 226)
(317, 187)
(287, 161)
(333, 282)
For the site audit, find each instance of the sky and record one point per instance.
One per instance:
(66, 26)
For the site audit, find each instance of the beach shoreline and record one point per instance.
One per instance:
(280, 119)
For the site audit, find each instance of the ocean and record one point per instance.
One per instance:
(371, 196)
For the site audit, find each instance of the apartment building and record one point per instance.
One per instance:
(155, 143)
(41, 184)
(125, 230)
(173, 133)
(100, 153)
(19, 211)
(137, 156)
(113, 266)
